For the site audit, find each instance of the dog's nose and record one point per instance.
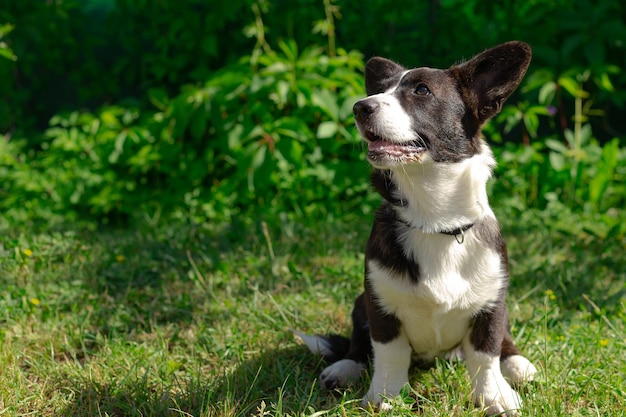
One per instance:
(364, 108)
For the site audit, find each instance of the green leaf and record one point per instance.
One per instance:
(282, 88)
(6, 52)
(605, 168)
(109, 118)
(158, 98)
(327, 129)
(557, 146)
(513, 119)
(258, 158)
(604, 82)
(346, 108)
(531, 121)
(234, 137)
(547, 93)
(289, 48)
(5, 29)
(257, 161)
(573, 87)
(557, 161)
(327, 101)
(296, 152)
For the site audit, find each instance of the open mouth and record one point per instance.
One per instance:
(381, 150)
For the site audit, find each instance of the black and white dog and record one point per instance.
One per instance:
(436, 267)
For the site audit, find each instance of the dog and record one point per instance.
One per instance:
(436, 266)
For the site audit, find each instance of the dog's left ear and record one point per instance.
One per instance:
(489, 78)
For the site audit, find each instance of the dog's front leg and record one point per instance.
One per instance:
(391, 370)
(482, 347)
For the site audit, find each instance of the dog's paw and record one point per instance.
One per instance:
(517, 369)
(498, 398)
(379, 395)
(341, 374)
(377, 400)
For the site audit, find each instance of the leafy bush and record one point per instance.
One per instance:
(270, 131)
(75, 54)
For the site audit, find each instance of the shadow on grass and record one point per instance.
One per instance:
(137, 281)
(145, 288)
(279, 381)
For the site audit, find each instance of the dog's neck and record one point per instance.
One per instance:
(437, 197)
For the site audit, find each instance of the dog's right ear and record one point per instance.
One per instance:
(380, 75)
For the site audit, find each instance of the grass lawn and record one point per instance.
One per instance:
(195, 321)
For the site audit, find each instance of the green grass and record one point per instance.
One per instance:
(195, 321)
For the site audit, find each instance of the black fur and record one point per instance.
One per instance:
(384, 246)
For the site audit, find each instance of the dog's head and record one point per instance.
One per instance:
(410, 115)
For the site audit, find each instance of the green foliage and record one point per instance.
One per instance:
(576, 171)
(223, 114)
(567, 37)
(589, 178)
(274, 132)
(202, 121)
(89, 53)
(5, 51)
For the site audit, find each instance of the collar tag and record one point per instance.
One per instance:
(460, 237)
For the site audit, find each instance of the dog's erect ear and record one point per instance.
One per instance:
(379, 74)
(489, 78)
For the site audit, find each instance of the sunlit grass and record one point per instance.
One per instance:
(197, 321)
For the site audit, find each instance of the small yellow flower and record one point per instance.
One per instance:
(550, 294)
(27, 252)
(604, 342)
(35, 301)
(120, 258)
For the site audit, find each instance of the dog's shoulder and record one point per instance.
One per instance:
(385, 246)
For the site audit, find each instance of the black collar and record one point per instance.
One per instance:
(458, 233)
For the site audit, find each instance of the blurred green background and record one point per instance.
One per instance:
(117, 111)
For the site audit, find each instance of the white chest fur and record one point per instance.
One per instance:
(456, 281)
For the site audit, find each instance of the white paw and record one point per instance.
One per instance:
(498, 398)
(380, 404)
(517, 369)
(341, 374)
(378, 394)
(378, 400)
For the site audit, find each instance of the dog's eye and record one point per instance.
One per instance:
(422, 90)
